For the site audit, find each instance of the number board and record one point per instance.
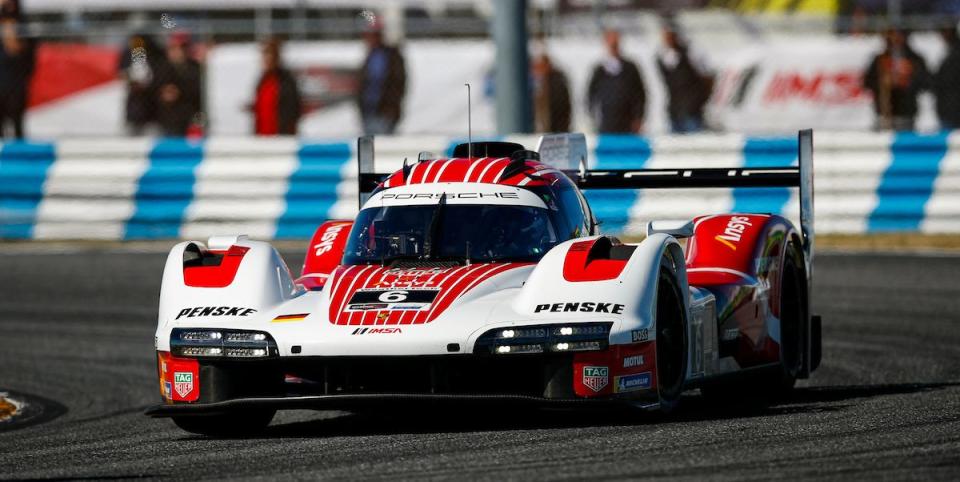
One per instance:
(392, 299)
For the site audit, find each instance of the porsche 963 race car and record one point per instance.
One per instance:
(484, 279)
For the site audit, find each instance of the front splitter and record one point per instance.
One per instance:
(361, 401)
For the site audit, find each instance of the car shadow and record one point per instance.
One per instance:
(393, 420)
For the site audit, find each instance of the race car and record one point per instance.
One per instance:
(484, 279)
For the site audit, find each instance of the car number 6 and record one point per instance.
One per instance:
(393, 296)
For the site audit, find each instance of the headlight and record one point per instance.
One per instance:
(545, 338)
(200, 342)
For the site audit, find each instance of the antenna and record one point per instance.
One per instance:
(469, 125)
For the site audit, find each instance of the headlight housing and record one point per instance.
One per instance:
(555, 338)
(221, 343)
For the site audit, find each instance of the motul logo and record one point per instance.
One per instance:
(734, 230)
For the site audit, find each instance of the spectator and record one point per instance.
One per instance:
(138, 65)
(551, 96)
(276, 109)
(896, 76)
(16, 69)
(688, 80)
(382, 83)
(178, 88)
(616, 95)
(946, 83)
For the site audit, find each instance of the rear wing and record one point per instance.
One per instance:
(800, 177)
(568, 152)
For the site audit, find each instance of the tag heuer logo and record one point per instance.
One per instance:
(596, 377)
(183, 383)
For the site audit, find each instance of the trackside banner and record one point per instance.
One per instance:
(766, 86)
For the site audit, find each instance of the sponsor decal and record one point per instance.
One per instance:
(596, 378)
(410, 306)
(582, 307)
(327, 238)
(736, 225)
(183, 383)
(289, 318)
(730, 334)
(401, 278)
(167, 391)
(631, 383)
(452, 195)
(376, 331)
(643, 334)
(215, 311)
(367, 306)
(633, 361)
(818, 86)
(392, 299)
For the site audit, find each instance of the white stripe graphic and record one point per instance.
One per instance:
(484, 171)
(440, 172)
(473, 165)
(426, 172)
(449, 290)
(346, 295)
(413, 314)
(721, 270)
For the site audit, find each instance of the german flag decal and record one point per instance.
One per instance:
(286, 318)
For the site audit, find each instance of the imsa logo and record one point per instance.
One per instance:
(183, 383)
(596, 378)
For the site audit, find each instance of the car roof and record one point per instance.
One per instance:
(489, 170)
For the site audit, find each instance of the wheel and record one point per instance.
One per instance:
(778, 381)
(227, 425)
(671, 339)
(793, 316)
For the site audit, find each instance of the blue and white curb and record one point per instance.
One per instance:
(125, 189)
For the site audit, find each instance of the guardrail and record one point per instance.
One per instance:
(125, 189)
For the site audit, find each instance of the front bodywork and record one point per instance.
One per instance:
(431, 321)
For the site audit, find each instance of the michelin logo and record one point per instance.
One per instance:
(631, 383)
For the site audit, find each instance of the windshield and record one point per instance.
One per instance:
(442, 231)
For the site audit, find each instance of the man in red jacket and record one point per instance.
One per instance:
(276, 108)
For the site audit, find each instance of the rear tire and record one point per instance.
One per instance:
(671, 339)
(232, 424)
(793, 320)
(777, 381)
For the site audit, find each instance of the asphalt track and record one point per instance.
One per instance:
(76, 341)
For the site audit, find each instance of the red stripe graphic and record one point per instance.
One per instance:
(452, 283)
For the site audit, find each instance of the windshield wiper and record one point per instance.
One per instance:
(434, 226)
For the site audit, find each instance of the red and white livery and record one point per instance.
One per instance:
(474, 279)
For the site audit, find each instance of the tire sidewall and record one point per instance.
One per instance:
(667, 280)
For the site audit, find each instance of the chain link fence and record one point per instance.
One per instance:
(622, 67)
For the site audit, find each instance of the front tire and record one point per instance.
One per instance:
(671, 339)
(232, 424)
